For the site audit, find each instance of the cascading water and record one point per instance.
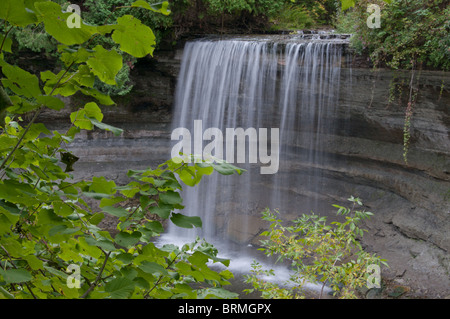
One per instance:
(258, 83)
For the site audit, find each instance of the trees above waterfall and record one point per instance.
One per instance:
(412, 34)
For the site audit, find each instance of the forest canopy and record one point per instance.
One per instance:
(411, 32)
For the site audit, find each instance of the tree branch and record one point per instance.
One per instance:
(34, 119)
(92, 286)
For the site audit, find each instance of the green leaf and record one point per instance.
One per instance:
(171, 198)
(198, 259)
(162, 211)
(154, 226)
(58, 83)
(89, 248)
(187, 176)
(98, 196)
(101, 98)
(56, 272)
(55, 22)
(347, 4)
(102, 243)
(125, 258)
(226, 168)
(116, 211)
(82, 117)
(111, 201)
(5, 224)
(62, 209)
(5, 293)
(13, 276)
(36, 129)
(15, 12)
(107, 28)
(96, 218)
(120, 288)
(12, 210)
(92, 110)
(7, 142)
(80, 120)
(129, 190)
(105, 64)
(20, 193)
(152, 268)
(84, 76)
(68, 252)
(126, 239)
(186, 221)
(51, 102)
(102, 185)
(62, 230)
(20, 81)
(34, 262)
(69, 55)
(134, 37)
(115, 130)
(217, 293)
(161, 7)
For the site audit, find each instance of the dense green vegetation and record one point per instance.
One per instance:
(413, 33)
(50, 244)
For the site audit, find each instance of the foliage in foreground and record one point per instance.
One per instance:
(318, 253)
(50, 243)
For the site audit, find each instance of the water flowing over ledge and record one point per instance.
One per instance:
(229, 84)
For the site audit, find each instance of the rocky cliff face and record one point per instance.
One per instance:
(411, 201)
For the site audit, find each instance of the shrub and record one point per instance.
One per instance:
(317, 252)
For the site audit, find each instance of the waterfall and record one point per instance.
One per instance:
(258, 83)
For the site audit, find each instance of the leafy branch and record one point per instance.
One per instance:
(99, 275)
(46, 223)
(36, 114)
(318, 252)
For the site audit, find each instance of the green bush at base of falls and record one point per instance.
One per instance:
(318, 253)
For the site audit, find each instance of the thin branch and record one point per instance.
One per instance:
(4, 39)
(15, 267)
(134, 211)
(34, 118)
(94, 284)
(325, 282)
(161, 276)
